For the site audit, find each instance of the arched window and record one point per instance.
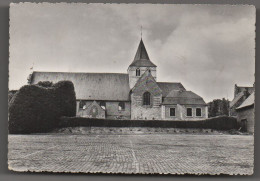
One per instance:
(137, 72)
(103, 105)
(82, 104)
(121, 106)
(147, 98)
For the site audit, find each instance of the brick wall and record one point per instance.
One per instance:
(249, 115)
(139, 111)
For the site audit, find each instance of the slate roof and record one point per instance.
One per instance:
(248, 102)
(115, 87)
(237, 98)
(91, 86)
(183, 97)
(141, 57)
(167, 87)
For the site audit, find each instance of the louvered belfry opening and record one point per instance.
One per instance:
(138, 72)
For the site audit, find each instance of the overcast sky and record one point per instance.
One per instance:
(208, 48)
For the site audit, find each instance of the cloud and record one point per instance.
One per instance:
(208, 48)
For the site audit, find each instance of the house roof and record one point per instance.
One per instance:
(243, 88)
(141, 57)
(91, 86)
(248, 102)
(167, 87)
(183, 97)
(236, 99)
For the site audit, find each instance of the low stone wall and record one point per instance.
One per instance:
(140, 131)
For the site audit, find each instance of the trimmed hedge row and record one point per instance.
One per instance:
(218, 123)
(35, 109)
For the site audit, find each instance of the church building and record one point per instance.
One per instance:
(133, 95)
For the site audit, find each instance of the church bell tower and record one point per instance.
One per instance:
(140, 64)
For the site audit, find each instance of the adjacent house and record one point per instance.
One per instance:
(246, 114)
(240, 95)
(133, 95)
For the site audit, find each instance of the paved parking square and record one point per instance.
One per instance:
(153, 153)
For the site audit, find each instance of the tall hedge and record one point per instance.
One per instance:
(11, 94)
(35, 108)
(218, 123)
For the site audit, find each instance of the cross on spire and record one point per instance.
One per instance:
(141, 31)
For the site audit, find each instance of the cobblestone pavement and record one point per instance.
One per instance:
(157, 153)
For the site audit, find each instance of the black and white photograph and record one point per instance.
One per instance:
(131, 88)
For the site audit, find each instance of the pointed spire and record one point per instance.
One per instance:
(141, 57)
(141, 52)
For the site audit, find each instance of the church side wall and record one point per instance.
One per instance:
(90, 113)
(112, 111)
(87, 103)
(138, 111)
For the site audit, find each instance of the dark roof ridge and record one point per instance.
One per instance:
(184, 97)
(245, 86)
(80, 72)
(170, 82)
(181, 92)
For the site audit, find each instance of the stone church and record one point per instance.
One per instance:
(132, 95)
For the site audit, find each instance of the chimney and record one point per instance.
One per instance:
(235, 90)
